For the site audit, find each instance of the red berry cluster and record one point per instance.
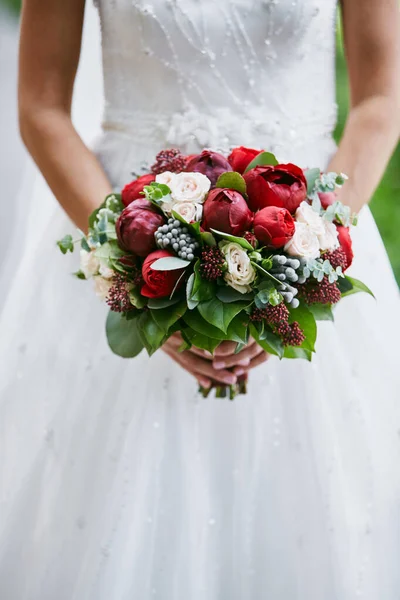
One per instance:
(169, 160)
(277, 318)
(251, 238)
(337, 258)
(212, 263)
(118, 296)
(319, 292)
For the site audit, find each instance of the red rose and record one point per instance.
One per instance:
(283, 185)
(158, 284)
(132, 191)
(274, 226)
(211, 164)
(227, 211)
(241, 157)
(327, 198)
(136, 227)
(345, 242)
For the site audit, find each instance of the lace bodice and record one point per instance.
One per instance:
(201, 73)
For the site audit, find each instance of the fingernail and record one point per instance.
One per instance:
(231, 379)
(239, 371)
(204, 383)
(218, 365)
(244, 363)
(207, 353)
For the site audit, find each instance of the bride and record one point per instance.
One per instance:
(117, 480)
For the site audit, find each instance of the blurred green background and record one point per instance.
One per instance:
(386, 202)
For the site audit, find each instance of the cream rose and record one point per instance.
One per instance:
(90, 264)
(328, 240)
(307, 215)
(102, 286)
(106, 272)
(190, 211)
(190, 187)
(304, 242)
(167, 178)
(240, 271)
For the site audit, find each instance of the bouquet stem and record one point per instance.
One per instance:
(226, 391)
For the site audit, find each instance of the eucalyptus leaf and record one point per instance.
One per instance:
(109, 251)
(123, 335)
(262, 159)
(84, 245)
(170, 263)
(233, 238)
(66, 244)
(311, 176)
(232, 181)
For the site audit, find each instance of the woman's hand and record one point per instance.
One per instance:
(224, 367)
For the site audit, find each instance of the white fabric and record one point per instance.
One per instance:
(117, 481)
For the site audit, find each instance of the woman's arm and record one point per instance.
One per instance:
(51, 32)
(372, 45)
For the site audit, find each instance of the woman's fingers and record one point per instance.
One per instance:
(242, 358)
(260, 358)
(200, 367)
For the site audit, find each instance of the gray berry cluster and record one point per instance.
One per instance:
(289, 271)
(176, 236)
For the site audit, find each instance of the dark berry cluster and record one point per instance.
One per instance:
(319, 292)
(337, 258)
(169, 160)
(118, 296)
(251, 238)
(132, 268)
(277, 317)
(212, 263)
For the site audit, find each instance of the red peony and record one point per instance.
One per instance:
(211, 164)
(274, 226)
(345, 242)
(158, 284)
(227, 211)
(132, 191)
(284, 186)
(136, 227)
(241, 157)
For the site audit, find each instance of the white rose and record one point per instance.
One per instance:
(89, 263)
(307, 215)
(190, 211)
(106, 272)
(304, 242)
(102, 286)
(190, 187)
(240, 271)
(329, 238)
(167, 178)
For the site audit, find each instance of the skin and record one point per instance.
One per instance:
(50, 43)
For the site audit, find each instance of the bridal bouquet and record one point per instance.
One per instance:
(218, 249)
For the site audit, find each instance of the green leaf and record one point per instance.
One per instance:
(227, 294)
(136, 298)
(292, 352)
(202, 289)
(189, 291)
(262, 159)
(238, 330)
(233, 238)
(321, 312)
(267, 273)
(123, 335)
(170, 263)
(306, 320)
(273, 341)
(349, 285)
(80, 275)
(108, 252)
(198, 324)
(208, 238)
(166, 317)
(219, 314)
(160, 303)
(84, 245)
(201, 341)
(66, 244)
(262, 343)
(311, 176)
(232, 181)
(151, 334)
(193, 228)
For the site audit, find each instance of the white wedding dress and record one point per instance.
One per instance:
(117, 481)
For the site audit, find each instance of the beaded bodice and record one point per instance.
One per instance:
(206, 73)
